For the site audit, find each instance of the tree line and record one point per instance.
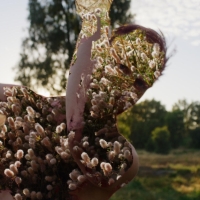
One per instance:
(148, 125)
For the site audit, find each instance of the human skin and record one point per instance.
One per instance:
(87, 189)
(91, 185)
(74, 116)
(5, 195)
(105, 79)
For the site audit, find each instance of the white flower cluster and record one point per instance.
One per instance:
(34, 149)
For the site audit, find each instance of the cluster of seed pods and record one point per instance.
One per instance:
(34, 145)
(50, 147)
(119, 69)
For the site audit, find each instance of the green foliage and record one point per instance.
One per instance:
(195, 138)
(124, 121)
(150, 145)
(153, 188)
(156, 180)
(124, 124)
(180, 105)
(175, 124)
(48, 49)
(145, 117)
(193, 115)
(161, 139)
(181, 122)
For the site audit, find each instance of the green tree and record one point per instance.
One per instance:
(182, 107)
(53, 30)
(161, 139)
(175, 124)
(195, 138)
(124, 124)
(193, 115)
(179, 108)
(191, 120)
(145, 117)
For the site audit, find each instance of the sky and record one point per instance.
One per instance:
(179, 21)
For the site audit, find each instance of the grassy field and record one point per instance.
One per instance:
(175, 176)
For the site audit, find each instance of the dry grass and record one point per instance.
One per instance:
(177, 159)
(174, 176)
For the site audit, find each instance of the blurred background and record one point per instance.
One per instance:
(36, 45)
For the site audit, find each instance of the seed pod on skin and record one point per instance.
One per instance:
(30, 111)
(18, 180)
(108, 167)
(85, 157)
(103, 143)
(31, 153)
(111, 181)
(74, 174)
(39, 195)
(123, 184)
(17, 164)
(24, 173)
(34, 165)
(64, 155)
(72, 186)
(71, 135)
(49, 187)
(19, 141)
(118, 177)
(111, 155)
(63, 126)
(101, 131)
(11, 121)
(117, 147)
(20, 154)
(9, 173)
(39, 129)
(46, 142)
(50, 117)
(18, 196)
(94, 162)
(4, 128)
(127, 155)
(27, 157)
(26, 192)
(13, 168)
(30, 170)
(81, 178)
(33, 195)
(53, 161)
(49, 156)
(112, 100)
(85, 144)
(49, 178)
(58, 129)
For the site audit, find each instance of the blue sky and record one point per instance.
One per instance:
(179, 20)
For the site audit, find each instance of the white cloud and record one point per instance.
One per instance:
(194, 33)
(196, 43)
(176, 18)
